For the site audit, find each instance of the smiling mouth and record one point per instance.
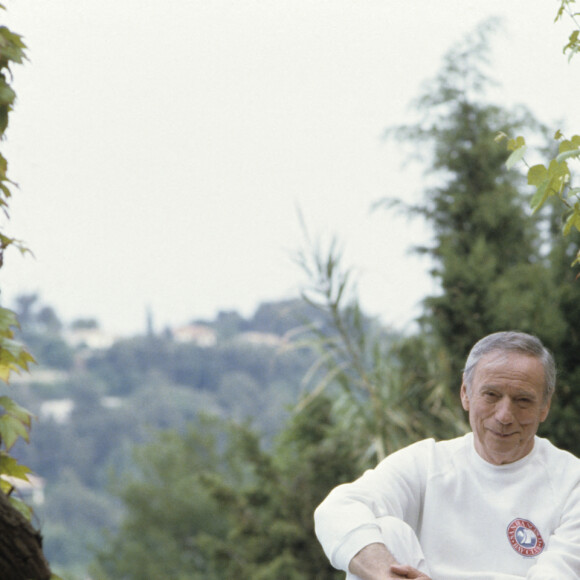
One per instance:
(501, 435)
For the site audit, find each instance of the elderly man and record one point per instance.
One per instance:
(499, 503)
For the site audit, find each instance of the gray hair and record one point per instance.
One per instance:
(512, 341)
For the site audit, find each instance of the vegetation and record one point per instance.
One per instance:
(486, 252)
(21, 554)
(94, 405)
(499, 267)
(554, 179)
(203, 451)
(240, 512)
(496, 266)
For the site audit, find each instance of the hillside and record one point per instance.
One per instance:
(96, 396)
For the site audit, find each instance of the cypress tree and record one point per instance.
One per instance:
(486, 249)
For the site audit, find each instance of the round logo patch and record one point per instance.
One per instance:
(525, 538)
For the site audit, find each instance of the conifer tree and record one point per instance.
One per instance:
(212, 503)
(486, 248)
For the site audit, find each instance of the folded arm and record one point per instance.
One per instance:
(375, 562)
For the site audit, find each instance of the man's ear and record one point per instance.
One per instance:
(545, 410)
(464, 396)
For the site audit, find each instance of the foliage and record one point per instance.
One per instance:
(12, 51)
(40, 329)
(553, 180)
(14, 420)
(383, 403)
(556, 187)
(573, 45)
(118, 397)
(232, 510)
(169, 493)
(486, 251)
(554, 177)
(499, 267)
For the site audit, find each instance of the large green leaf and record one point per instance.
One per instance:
(537, 174)
(14, 423)
(11, 468)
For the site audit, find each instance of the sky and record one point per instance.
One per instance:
(164, 149)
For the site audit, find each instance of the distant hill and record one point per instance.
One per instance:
(95, 396)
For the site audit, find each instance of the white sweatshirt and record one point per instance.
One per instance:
(474, 520)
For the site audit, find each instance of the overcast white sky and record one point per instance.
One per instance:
(162, 147)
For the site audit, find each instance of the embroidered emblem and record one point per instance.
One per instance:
(525, 538)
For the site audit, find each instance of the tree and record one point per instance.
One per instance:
(21, 554)
(270, 525)
(167, 507)
(387, 392)
(499, 266)
(562, 424)
(486, 251)
(224, 507)
(40, 329)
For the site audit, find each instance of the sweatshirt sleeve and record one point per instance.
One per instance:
(345, 520)
(561, 557)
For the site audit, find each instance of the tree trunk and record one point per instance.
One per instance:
(21, 556)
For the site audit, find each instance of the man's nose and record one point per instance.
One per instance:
(504, 411)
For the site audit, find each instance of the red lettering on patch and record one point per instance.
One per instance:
(525, 538)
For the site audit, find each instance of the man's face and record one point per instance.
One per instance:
(506, 405)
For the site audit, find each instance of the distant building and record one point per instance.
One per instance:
(92, 338)
(198, 334)
(59, 410)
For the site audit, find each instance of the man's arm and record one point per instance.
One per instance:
(561, 557)
(375, 562)
(354, 515)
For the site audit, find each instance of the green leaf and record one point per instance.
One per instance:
(540, 197)
(516, 156)
(8, 319)
(14, 409)
(14, 423)
(558, 170)
(572, 42)
(516, 143)
(566, 145)
(11, 468)
(567, 155)
(11, 430)
(573, 221)
(558, 135)
(537, 174)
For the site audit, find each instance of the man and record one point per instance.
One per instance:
(497, 504)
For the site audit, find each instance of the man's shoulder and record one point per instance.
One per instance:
(439, 451)
(553, 456)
